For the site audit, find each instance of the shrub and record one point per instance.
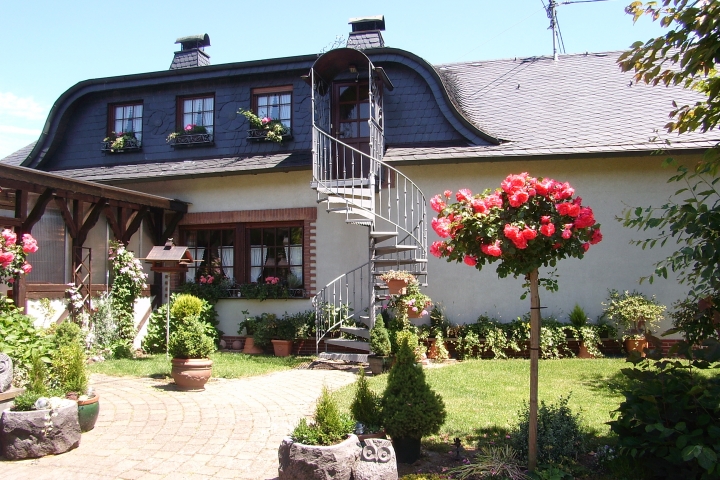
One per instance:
(379, 338)
(265, 326)
(329, 427)
(190, 340)
(493, 462)
(26, 401)
(186, 306)
(633, 312)
(212, 292)
(68, 366)
(441, 352)
(410, 408)
(103, 324)
(128, 282)
(154, 341)
(559, 433)
(578, 317)
(68, 333)
(670, 419)
(365, 407)
(38, 377)
(19, 339)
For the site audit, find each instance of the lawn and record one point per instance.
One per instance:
(483, 397)
(225, 365)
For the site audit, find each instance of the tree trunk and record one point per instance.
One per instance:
(534, 354)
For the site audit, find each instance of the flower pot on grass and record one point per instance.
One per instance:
(250, 348)
(583, 351)
(283, 348)
(636, 345)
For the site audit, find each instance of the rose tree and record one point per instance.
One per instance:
(13, 255)
(526, 224)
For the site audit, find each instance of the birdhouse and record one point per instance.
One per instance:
(169, 258)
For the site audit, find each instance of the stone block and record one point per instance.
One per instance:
(310, 462)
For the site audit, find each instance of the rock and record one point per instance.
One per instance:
(310, 462)
(25, 435)
(6, 372)
(377, 461)
(236, 345)
(223, 344)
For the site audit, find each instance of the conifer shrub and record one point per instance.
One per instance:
(410, 408)
(190, 340)
(329, 427)
(154, 341)
(68, 333)
(365, 407)
(379, 338)
(68, 366)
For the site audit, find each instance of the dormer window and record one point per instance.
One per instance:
(198, 111)
(274, 103)
(124, 128)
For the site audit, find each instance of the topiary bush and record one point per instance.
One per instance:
(560, 434)
(379, 338)
(68, 333)
(410, 408)
(154, 341)
(190, 340)
(329, 426)
(365, 407)
(103, 326)
(68, 367)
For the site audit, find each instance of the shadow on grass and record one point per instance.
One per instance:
(609, 385)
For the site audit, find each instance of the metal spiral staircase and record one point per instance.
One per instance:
(368, 193)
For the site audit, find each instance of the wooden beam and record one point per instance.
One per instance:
(38, 210)
(10, 222)
(67, 216)
(114, 225)
(135, 224)
(90, 221)
(172, 224)
(21, 201)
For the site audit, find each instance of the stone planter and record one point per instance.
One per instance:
(283, 348)
(312, 462)
(88, 411)
(26, 434)
(379, 364)
(250, 348)
(191, 373)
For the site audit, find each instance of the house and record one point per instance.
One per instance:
(369, 134)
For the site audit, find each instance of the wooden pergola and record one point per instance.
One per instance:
(81, 204)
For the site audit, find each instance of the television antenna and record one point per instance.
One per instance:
(551, 10)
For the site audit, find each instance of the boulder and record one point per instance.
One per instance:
(6, 372)
(37, 433)
(310, 462)
(377, 461)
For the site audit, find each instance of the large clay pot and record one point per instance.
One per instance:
(250, 348)
(379, 364)
(633, 345)
(407, 450)
(583, 351)
(88, 411)
(397, 287)
(191, 373)
(283, 348)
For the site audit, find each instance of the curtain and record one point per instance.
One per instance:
(226, 257)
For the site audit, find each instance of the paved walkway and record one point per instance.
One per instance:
(149, 430)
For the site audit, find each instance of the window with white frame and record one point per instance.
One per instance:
(198, 111)
(127, 118)
(274, 103)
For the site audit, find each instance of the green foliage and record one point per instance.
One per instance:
(262, 291)
(578, 317)
(441, 352)
(68, 367)
(128, 282)
(267, 326)
(588, 334)
(413, 300)
(38, 377)
(103, 325)
(365, 407)
(379, 338)
(19, 339)
(696, 324)
(468, 346)
(329, 427)
(154, 341)
(634, 313)
(186, 306)
(496, 335)
(273, 129)
(68, 333)
(122, 350)
(553, 340)
(493, 462)
(410, 408)
(26, 401)
(559, 433)
(423, 476)
(211, 292)
(670, 419)
(190, 340)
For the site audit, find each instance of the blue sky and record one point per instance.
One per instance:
(49, 46)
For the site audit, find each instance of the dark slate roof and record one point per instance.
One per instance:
(16, 158)
(366, 39)
(190, 58)
(580, 104)
(192, 168)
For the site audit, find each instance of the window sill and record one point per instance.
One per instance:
(134, 147)
(260, 135)
(293, 294)
(192, 140)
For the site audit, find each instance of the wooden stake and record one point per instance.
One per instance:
(534, 355)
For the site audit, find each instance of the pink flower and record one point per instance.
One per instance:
(10, 237)
(436, 248)
(529, 233)
(189, 127)
(493, 249)
(26, 268)
(6, 259)
(596, 237)
(544, 219)
(447, 193)
(544, 186)
(586, 246)
(494, 200)
(470, 260)
(548, 229)
(566, 234)
(518, 198)
(563, 191)
(463, 195)
(29, 244)
(479, 206)
(441, 226)
(437, 203)
(585, 218)
(569, 209)
(203, 279)
(423, 313)
(210, 279)
(513, 183)
(266, 120)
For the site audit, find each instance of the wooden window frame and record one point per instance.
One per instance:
(279, 90)
(111, 114)
(180, 109)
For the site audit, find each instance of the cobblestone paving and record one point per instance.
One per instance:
(147, 429)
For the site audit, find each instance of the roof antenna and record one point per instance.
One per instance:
(551, 11)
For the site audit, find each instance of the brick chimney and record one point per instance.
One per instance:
(366, 32)
(192, 53)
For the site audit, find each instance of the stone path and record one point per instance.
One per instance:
(149, 430)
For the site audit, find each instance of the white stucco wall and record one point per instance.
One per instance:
(606, 185)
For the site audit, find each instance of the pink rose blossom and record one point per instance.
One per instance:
(494, 200)
(596, 237)
(479, 206)
(544, 219)
(529, 233)
(447, 193)
(566, 234)
(585, 218)
(10, 237)
(26, 268)
(441, 226)
(586, 246)
(518, 198)
(470, 260)
(189, 127)
(436, 248)
(6, 259)
(548, 229)
(513, 183)
(493, 249)
(29, 244)
(203, 279)
(463, 195)
(437, 204)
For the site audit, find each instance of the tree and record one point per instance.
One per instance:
(686, 55)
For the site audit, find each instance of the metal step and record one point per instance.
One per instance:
(343, 342)
(365, 223)
(394, 249)
(328, 186)
(365, 203)
(350, 210)
(382, 236)
(345, 357)
(398, 261)
(357, 331)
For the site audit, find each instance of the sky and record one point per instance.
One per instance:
(50, 45)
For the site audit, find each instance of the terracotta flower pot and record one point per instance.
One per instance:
(88, 411)
(250, 348)
(413, 314)
(191, 373)
(283, 348)
(634, 345)
(397, 287)
(583, 351)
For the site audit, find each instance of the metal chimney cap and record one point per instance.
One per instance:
(194, 41)
(373, 22)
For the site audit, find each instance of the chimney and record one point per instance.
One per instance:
(192, 53)
(366, 32)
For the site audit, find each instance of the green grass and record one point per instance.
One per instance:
(225, 365)
(483, 397)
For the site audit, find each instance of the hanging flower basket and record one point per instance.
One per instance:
(397, 287)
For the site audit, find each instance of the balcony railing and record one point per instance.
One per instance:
(192, 139)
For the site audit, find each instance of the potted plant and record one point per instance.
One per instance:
(586, 334)
(397, 281)
(285, 332)
(191, 134)
(247, 327)
(190, 348)
(380, 345)
(325, 448)
(410, 408)
(412, 304)
(635, 315)
(265, 128)
(121, 141)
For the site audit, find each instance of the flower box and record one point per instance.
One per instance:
(131, 145)
(192, 140)
(397, 287)
(260, 135)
